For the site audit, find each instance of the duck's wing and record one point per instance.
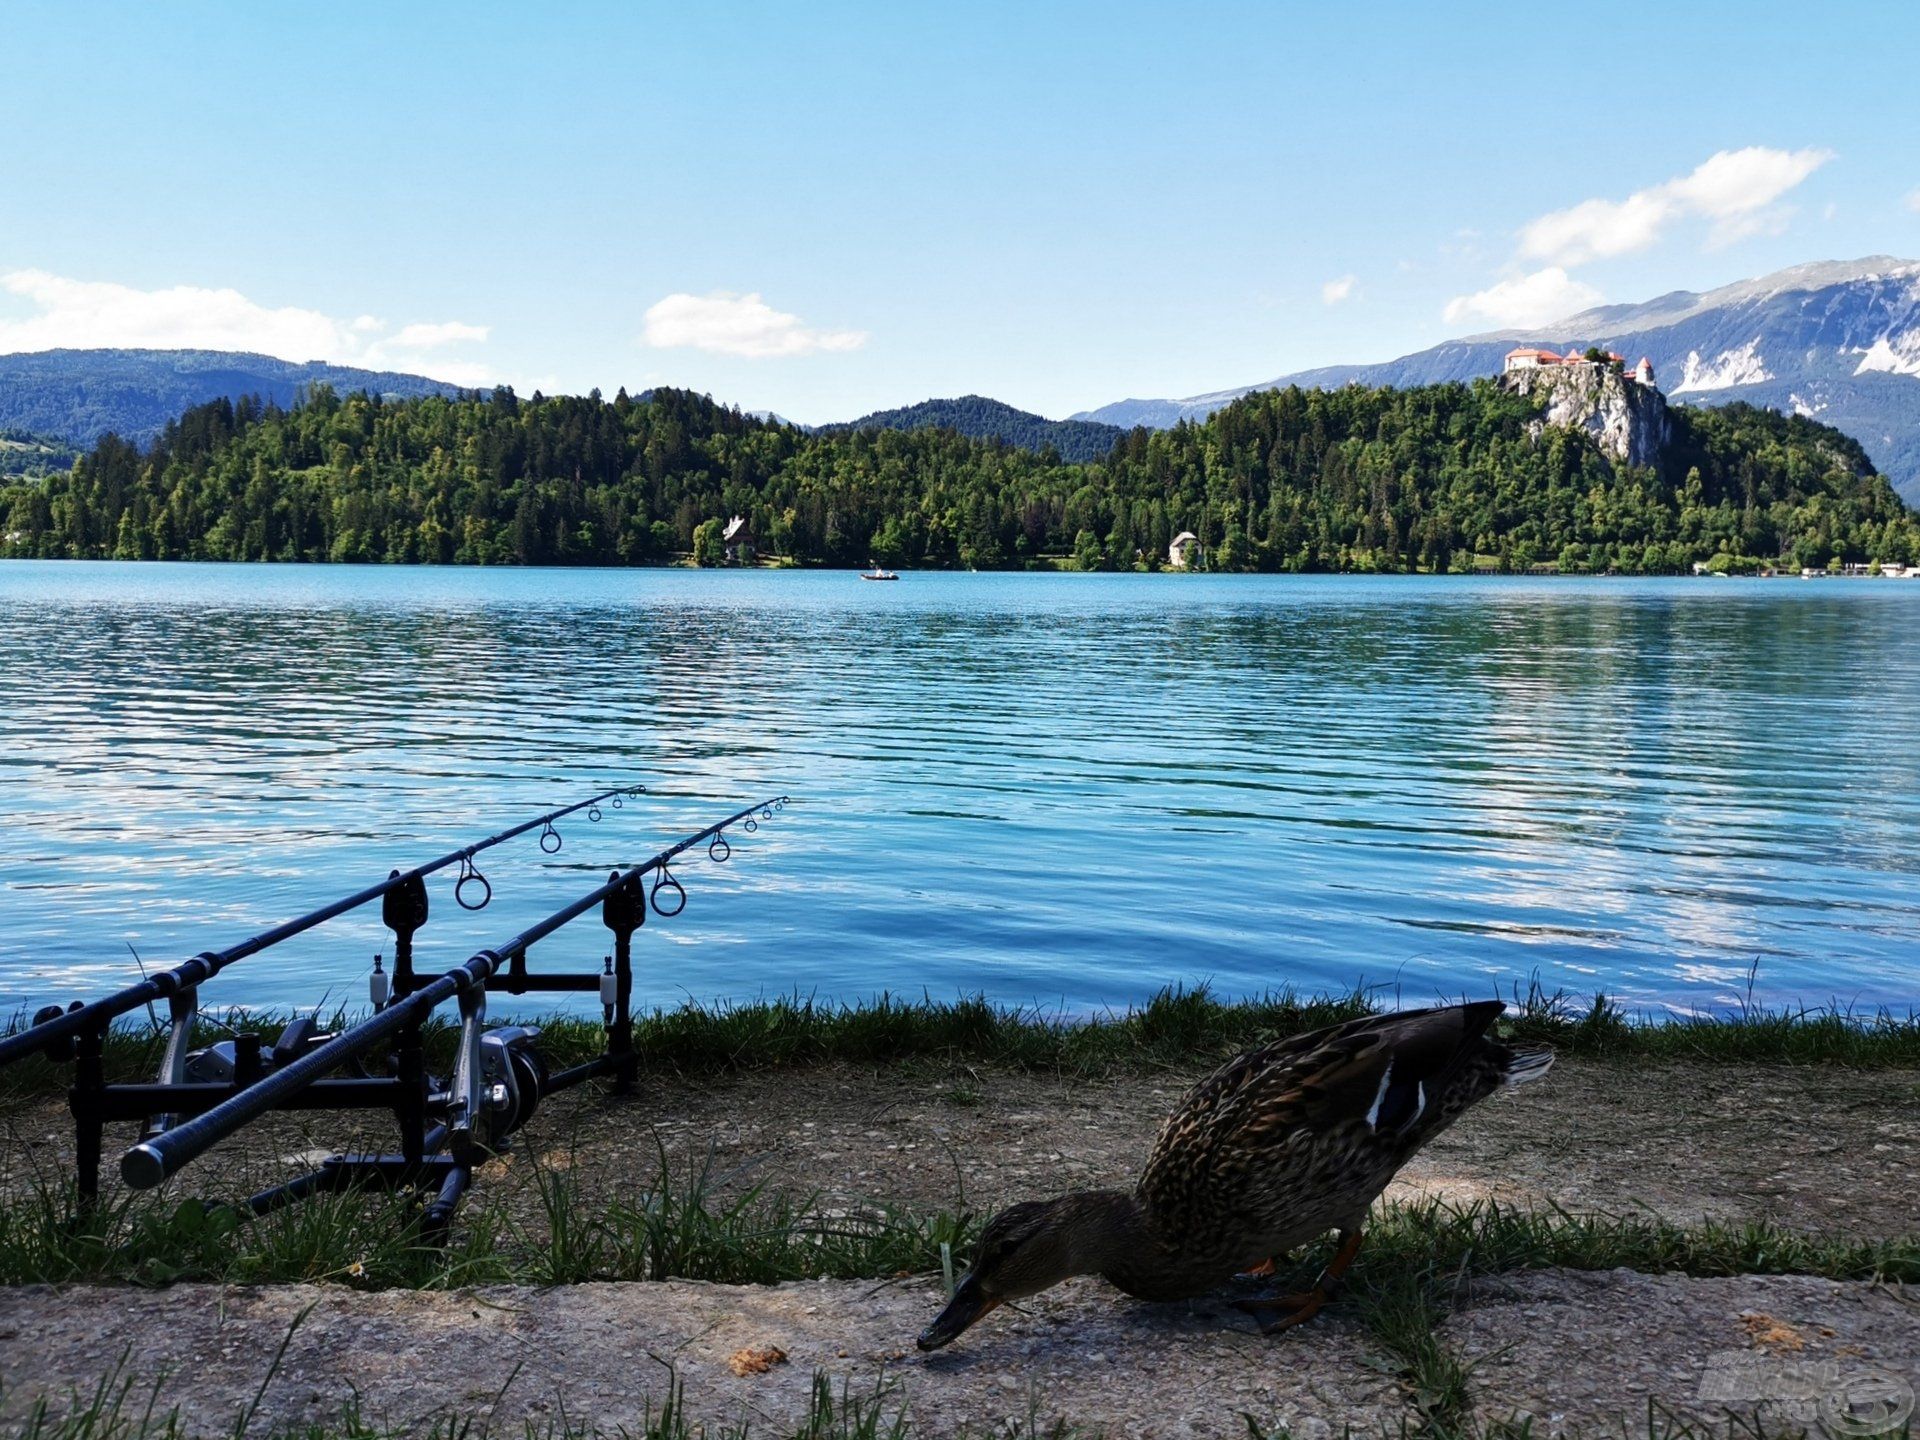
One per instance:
(1387, 1080)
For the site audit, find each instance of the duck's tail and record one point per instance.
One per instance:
(1528, 1064)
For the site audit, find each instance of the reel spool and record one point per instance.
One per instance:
(515, 1074)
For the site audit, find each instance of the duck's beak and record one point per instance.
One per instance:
(968, 1304)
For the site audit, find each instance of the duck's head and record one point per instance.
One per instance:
(1028, 1248)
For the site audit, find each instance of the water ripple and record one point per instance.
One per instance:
(1065, 789)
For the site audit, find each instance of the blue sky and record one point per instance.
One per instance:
(827, 208)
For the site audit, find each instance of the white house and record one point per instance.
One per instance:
(1180, 552)
(738, 538)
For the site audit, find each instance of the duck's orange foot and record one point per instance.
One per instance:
(1296, 1309)
(1258, 1272)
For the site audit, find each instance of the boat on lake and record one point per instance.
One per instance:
(876, 573)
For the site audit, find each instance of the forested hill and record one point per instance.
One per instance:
(979, 418)
(24, 453)
(79, 395)
(1349, 479)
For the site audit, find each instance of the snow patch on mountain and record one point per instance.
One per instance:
(1895, 354)
(1742, 366)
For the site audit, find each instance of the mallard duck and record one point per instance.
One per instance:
(1276, 1147)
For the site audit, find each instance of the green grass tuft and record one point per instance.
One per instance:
(1180, 1028)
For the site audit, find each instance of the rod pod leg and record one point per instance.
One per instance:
(623, 912)
(89, 1123)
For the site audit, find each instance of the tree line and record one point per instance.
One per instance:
(1436, 478)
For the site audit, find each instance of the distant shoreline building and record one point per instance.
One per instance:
(1532, 358)
(1180, 553)
(738, 538)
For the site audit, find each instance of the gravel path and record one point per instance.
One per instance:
(1582, 1352)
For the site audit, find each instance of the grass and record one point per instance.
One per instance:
(1181, 1027)
(687, 1226)
(677, 1227)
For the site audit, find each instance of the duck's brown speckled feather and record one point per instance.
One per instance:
(1294, 1138)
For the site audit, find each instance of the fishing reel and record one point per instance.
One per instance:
(220, 1062)
(513, 1076)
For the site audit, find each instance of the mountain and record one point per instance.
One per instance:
(79, 395)
(978, 418)
(1837, 340)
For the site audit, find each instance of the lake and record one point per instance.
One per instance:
(1064, 790)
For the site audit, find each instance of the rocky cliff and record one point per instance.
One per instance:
(1626, 419)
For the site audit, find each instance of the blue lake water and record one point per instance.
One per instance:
(1055, 789)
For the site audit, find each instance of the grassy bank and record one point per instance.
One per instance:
(682, 1227)
(1178, 1028)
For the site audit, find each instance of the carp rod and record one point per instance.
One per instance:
(52, 1026)
(151, 1161)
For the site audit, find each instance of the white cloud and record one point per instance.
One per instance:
(726, 323)
(1525, 300)
(1736, 190)
(431, 337)
(85, 314)
(1913, 201)
(1595, 229)
(97, 314)
(1334, 291)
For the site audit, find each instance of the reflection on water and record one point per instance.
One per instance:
(1051, 788)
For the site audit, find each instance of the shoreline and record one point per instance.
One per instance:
(1063, 567)
(1179, 1026)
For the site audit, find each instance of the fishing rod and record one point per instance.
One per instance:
(492, 1089)
(52, 1026)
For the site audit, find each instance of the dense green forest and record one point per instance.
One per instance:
(982, 419)
(24, 453)
(1440, 477)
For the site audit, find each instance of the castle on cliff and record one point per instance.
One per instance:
(1532, 359)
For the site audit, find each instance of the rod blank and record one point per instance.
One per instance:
(209, 963)
(149, 1163)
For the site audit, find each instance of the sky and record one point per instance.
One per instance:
(824, 209)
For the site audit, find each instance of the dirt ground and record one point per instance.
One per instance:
(1821, 1149)
(1810, 1148)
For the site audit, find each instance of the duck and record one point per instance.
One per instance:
(1280, 1145)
